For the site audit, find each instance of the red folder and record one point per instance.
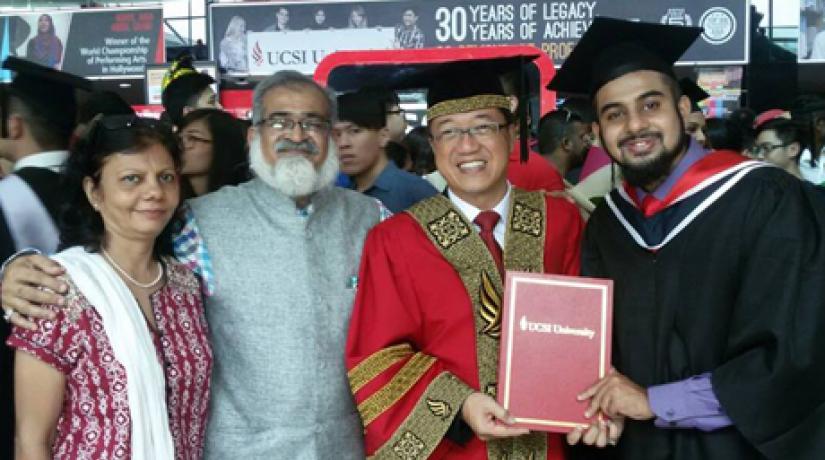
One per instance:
(555, 343)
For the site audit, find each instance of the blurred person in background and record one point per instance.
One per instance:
(361, 135)
(399, 155)
(396, 122)
(214, 151)
(564, 140)
(37, 117)
(780, 142)
(695, 120)
(185, 89)
(417, 142)
(723, 134)
(811, 163)
(744, 117)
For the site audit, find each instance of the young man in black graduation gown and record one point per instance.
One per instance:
(37, 117)
(719, 270)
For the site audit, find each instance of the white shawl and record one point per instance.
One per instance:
(132, 344)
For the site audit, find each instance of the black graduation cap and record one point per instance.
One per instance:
(613, 47)
(362, 109)
(464, 87)
(48, 92)
(694, 92)
(102, 102)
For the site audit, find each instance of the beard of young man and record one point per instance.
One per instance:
(642, 175)
(294, 175)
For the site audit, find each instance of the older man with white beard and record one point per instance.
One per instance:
(279, 257)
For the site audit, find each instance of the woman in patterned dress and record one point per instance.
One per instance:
(122, 370)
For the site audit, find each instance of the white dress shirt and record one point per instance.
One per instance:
(471, 212)
(53, 160)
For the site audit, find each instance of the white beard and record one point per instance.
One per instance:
(294, 175)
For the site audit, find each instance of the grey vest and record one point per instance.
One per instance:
(278, 320)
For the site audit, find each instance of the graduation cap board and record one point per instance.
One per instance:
(612, 48)
(48, 92)
(362, 109)
(694, 92)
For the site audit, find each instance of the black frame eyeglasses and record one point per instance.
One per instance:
(480, 131)
(308, 125)
(762, 150)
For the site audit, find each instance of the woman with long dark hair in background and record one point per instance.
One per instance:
(214, 151)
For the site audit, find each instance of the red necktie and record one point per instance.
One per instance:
(487, 220)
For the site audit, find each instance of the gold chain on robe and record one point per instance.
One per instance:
(523, 249)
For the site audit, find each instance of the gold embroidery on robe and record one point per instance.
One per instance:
(523, 251)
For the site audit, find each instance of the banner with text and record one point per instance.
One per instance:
(553, 26)
(268, 52)
(112, 42)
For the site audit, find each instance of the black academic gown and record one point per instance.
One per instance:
(45, 184)
(740, 293)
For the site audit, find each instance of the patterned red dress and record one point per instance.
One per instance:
(95, 422)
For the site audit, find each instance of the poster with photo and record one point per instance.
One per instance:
(240, 30)
(100, 43)
(811, 46)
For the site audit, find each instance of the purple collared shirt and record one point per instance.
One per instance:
(688, 403)
(694, 153)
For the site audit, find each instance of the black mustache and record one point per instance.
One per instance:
(639, 136)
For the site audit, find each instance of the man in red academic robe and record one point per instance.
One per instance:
(422, 350)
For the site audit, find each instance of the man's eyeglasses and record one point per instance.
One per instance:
(396, 112)
(762, 150)
(484, 131)
(308, 125)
